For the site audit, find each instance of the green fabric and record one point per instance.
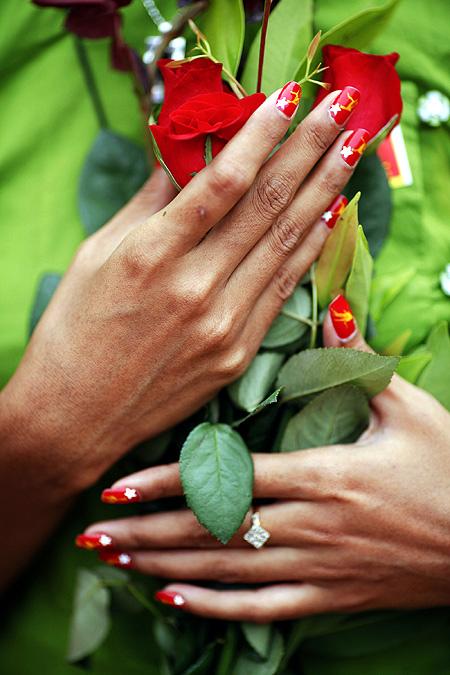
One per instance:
(48, 126)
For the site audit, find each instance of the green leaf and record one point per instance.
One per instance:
(217, 475)
(90, 618)
(337, 255)
(250, 663)
(151, 450)
(435, 377)
(338, 415)
(386, 288)
(315, 370)
(113, 172)
(292, 322)
(357, 288)
(203, 664)
(375, 204)
(357, 31)
(270, 400)
(258, 636)
(250, 389)
(208, 150)
(360, 29)
(223, 24)
(288, 37)
(412, 365)
(46, 288)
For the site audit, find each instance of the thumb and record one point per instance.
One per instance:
(340, 328)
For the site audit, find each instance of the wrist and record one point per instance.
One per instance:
(41, 442)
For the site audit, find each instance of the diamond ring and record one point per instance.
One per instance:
(256, 535)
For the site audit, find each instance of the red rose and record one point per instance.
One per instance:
(96, 19)
(196, 105)
(374, 76)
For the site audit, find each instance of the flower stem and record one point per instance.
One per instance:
(91, 84)
(313, 339)
(262, 44)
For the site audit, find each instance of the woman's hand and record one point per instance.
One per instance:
(354, 527)
(155, 316)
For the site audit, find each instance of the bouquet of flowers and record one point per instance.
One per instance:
(295, 394)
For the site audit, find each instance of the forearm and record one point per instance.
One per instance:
(35, 486)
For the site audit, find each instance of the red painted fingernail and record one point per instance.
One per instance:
(288, 99)
(94, 540)
(342, 318)
(124, 495)
(334, 211)
(354, 146)
(171, 598)
(343, 105)
(116, 558)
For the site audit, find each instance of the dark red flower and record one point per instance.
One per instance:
(376, 79)
(196, 105)
(96, 19)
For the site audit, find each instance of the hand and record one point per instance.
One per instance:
(354, 527)
(151, 319)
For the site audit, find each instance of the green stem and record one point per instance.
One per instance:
(313, 339)
(91, 84)
(262, 44)
(300, 319)
(140, 597)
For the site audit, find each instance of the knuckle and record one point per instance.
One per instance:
(232, 365)
(316, 137)
(192, 296)
(272, 194)
(254, 612)
(135, 260)
(331, 183)
(286, 233)
(218, 331)
(285, 282)
(229, 179)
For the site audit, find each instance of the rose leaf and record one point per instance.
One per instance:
(216, 472)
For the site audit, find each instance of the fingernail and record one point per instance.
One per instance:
(343, 105)
(123, 495)
(334, 211)
(94, 541)
(288, 99)
(354, 146)
(342, 318)
(116, 558)
(171, 598)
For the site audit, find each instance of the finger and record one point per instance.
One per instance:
(282, 284)
(340, 329)
(289, 524)
(265, 208)
(307, 474)
(262, 605)
(216, 189)
(230, 566)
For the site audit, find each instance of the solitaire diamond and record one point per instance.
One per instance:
(256, 535)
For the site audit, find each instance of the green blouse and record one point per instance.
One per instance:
(48, 126)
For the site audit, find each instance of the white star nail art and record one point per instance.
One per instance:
(178, 600)
(335, 108)
(346, 151)
(130, 493)
(104, 540)
(282, 103)
(124, 559)
(327, 216)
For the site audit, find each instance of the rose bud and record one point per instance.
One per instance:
(377, 80)
(197, 105)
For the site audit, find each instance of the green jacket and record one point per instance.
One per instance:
(48, 126)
